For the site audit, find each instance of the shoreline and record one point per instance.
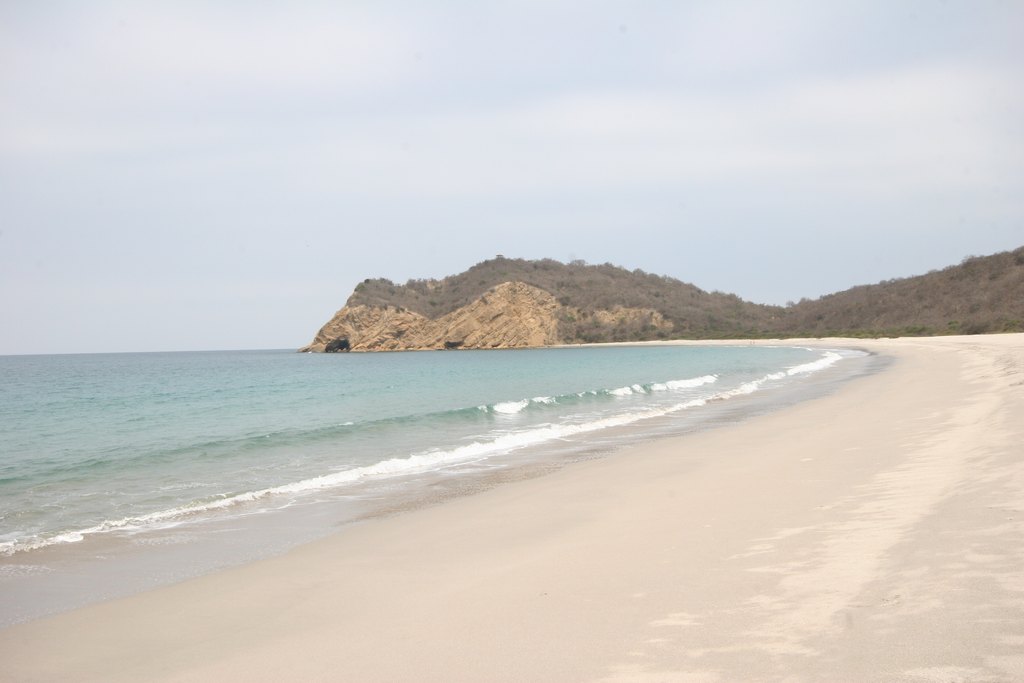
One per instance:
(870, 534)
(60, 577)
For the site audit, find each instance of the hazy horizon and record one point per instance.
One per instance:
(206, 176)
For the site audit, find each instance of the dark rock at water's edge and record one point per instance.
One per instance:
(337, 345)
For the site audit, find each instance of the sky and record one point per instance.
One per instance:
(220, 175)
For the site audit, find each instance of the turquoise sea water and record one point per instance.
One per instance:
(96, 448)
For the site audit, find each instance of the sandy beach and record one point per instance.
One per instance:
(875, 534)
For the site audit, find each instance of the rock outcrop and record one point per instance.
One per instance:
(510, 315)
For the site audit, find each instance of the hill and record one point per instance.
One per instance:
(505, 303)
(981, 294)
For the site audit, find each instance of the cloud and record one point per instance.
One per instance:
(904, 130)
(728, 40)
(299, 88)
(85, 78)
(282, 47)
(223, 45)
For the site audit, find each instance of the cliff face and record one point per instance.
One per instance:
(510, 315)
(367, 328)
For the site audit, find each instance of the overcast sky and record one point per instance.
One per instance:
(220, 175)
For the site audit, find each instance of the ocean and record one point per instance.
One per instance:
(120, 472)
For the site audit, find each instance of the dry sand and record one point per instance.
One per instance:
(876, 534)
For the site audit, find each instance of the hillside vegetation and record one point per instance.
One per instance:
(600, 303)
(982, 294)
(603, 303)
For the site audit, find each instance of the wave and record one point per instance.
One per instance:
(436, 459)
(510, 407)
(830, 358)
(514, 407)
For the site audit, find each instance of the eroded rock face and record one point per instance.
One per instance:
(367, 328)
(510, 315)
(338, 345)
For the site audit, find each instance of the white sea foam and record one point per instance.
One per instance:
(511, 407)
(621, 391)
(677, 384)
(752, 386)
(828, 359)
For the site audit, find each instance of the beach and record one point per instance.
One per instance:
(873, 534)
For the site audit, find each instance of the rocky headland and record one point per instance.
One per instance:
(514, 303)
(507, 316)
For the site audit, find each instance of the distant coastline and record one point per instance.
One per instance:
(515, 303)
